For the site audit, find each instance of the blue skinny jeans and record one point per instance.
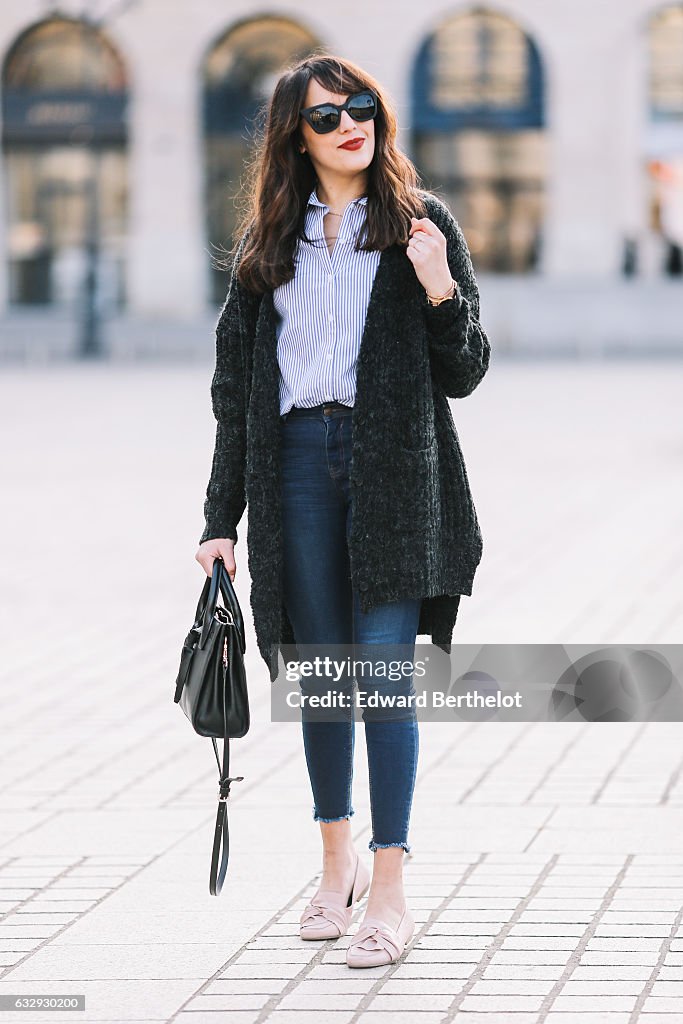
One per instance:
(324, 608)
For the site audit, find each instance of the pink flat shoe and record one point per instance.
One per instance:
(376, 944)
(328, 915)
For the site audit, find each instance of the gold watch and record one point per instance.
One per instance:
(436, 300)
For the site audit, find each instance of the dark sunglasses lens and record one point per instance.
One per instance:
(324, 119)
(362, 107)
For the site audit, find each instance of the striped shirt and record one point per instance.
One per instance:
(322, 311)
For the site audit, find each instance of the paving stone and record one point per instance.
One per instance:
(246, 986)
(529, 956)
(510, 986)
(614, 987)
(516, 1017)
(218, 1017)
(215, 1001)
(659, 1018)
(497, 1003)
(408, 1001)
(619, 1003)
(663, 1004)
(607, 1017)
(358, 982)
(300, 999)
(302, 1016)
(399, 986)
(397, 1017)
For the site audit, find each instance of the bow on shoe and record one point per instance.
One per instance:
(372, 938)
(319, 912)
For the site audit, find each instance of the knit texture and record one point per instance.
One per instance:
(415, 531)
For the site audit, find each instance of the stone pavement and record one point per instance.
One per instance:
(547, 874)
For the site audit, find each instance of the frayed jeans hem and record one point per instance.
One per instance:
(317, 817)
(372, 845)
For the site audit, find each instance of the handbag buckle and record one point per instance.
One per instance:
(223, 797)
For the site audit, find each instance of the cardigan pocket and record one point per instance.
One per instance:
(425, 445)
(414, 490)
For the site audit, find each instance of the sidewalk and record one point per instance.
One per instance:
(546, 876)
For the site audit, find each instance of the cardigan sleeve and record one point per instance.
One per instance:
(225, 500)
(458, 345)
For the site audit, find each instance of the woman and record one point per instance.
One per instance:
(351, 317)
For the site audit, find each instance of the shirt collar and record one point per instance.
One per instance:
(314, 201)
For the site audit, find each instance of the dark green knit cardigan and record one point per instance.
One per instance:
(414, 530)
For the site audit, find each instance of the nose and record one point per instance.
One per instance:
(346, 121)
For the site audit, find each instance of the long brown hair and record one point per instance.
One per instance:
(279, 178)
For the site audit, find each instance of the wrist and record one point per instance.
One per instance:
(440, 285)
(448, 291)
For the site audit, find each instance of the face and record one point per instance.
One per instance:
(324, 150)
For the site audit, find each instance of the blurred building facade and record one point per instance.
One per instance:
(554, 132)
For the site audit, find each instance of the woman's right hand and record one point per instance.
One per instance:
(210, 549)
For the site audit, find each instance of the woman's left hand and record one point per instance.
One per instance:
(427, 252)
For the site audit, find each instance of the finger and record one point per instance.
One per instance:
(419, 232)
(426, 225)
(228, 557)
(416, 255)
(422, 237)
(423, 245)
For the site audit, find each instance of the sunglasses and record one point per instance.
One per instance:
(325, 117)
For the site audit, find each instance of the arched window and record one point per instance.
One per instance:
(478, 134)
(64, 141)
(664, 142)
(239, 74)
(64, 55)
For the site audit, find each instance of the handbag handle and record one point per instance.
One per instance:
(233, 606)
(208, 599)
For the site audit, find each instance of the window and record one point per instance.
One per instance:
(64, 150)
(240, 72)
(478, 135)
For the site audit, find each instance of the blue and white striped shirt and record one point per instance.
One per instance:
(322, 311)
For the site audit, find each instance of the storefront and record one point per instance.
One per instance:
(64, 152)
(239, 73)
(478, 134)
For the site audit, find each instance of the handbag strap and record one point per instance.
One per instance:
(221, 835)
(206, 609)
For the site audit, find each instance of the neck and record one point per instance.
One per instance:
(338, 193)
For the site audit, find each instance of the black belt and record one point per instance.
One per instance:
(325, 408)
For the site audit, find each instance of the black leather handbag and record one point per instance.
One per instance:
(211, 688)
